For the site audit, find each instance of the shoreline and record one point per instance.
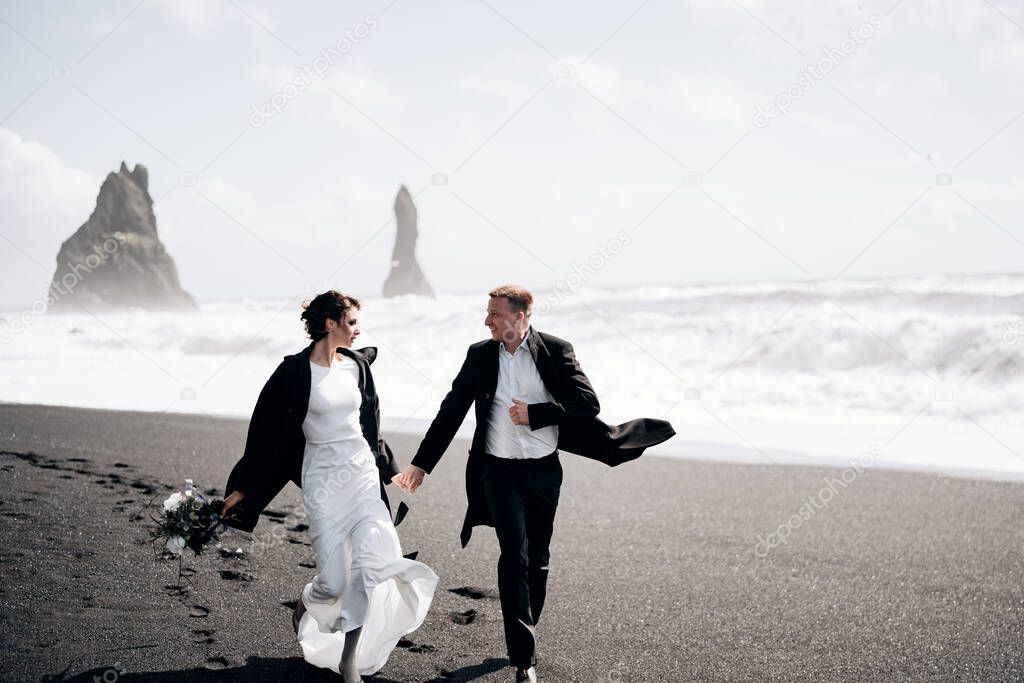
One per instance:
(675, 449)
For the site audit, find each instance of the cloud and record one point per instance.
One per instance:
(508, 89)
(203, 16)
(42, 202)
(290, 89)
(702, 91)
(512, 79)
(364, 87)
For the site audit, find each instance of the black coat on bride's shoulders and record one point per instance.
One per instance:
(275, 443)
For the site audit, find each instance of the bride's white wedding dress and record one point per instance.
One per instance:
(362, 578)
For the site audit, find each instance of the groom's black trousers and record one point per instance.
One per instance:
(522, 495)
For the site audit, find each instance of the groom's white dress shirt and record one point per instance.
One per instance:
(518, 378)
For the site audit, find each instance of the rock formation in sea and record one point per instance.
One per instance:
(115, 259)
(405, 277)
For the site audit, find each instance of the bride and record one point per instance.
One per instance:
(317, 424)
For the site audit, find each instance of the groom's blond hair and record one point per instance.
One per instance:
(519, 298)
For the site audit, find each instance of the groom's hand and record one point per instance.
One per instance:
(519, 412)
(410, 478)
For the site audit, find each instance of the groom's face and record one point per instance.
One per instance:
(504, 323)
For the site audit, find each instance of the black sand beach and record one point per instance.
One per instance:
(656, 570)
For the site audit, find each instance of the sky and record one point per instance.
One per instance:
(684, 142)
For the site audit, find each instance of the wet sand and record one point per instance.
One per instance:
(657, 570)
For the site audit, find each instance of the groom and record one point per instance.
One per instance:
(532, 399)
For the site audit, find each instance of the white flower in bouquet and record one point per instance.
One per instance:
(173, 501)
(176, 544)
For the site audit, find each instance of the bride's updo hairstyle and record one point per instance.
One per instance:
(331, 304)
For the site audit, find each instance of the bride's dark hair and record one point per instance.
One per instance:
(331, 304)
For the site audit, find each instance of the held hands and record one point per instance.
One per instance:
(519, 413)
(409, 479)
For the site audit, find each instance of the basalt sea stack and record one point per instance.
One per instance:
(116, 259)
(406, 277)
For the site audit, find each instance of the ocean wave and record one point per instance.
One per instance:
(868, 345)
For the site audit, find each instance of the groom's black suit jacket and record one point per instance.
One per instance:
(275, 443)
(574, 409)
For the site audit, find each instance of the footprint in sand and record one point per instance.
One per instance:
(232, 575)
(308, 565)
(143, 486)
(409, 645)
(203, 636)
(121, 464)
(198, 611)
(422, 647)
(176, 590)
(463, 618)
(217, 663)
(472, 593)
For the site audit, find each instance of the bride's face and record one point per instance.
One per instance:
(343, 331)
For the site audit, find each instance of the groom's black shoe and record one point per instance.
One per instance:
(526, 675)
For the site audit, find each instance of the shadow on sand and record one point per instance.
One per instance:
(262, 669)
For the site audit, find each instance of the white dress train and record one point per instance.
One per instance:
(362, 578)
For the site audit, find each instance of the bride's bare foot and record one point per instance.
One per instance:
(300, 609)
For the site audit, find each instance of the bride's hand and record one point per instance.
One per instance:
(399, 481)
(411, 478)
(233, 499)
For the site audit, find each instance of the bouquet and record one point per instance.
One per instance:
(189, 520)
